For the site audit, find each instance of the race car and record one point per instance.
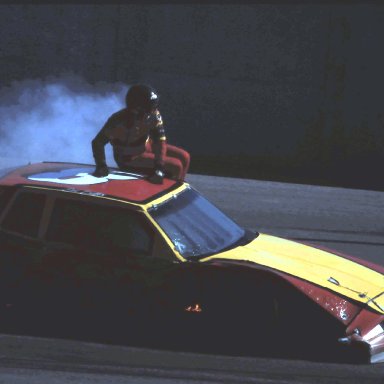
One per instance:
(159, 261)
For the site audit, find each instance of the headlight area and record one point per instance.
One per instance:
(366, 346)
(375, 338)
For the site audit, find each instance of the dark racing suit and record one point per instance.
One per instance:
(139, 142)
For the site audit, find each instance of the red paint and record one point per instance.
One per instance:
(133, 190)
(361, 326)
(337, 306)
(365, 321)
(343, 309)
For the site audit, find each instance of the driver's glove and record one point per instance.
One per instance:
(157, 177)
(101, 171)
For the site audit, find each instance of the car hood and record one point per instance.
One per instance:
(319, 267)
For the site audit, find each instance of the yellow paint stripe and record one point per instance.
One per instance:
(165, 197)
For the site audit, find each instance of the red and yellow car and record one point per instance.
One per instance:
(120, 247)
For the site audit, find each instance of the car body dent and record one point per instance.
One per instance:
(344, 310)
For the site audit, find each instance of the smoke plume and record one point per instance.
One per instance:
(55, 119)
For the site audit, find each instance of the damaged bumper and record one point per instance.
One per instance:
(368, 348)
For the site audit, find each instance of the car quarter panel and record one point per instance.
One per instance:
(326, 270)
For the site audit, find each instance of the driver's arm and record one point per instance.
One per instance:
(98, 144)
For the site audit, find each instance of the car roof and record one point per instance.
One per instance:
(78, 178)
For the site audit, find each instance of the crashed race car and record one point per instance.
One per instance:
(160, 262)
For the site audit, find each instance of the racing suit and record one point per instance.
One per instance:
(139, 142)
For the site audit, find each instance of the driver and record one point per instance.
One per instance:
(138, 139)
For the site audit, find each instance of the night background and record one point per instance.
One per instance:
(290, 92)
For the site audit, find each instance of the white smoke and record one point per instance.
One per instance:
(55, 119)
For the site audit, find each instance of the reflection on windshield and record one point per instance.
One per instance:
(195, 226)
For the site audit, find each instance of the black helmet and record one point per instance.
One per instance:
(141, 97)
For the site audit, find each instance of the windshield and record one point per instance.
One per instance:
(195, 226)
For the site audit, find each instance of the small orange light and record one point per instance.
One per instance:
(195, 308)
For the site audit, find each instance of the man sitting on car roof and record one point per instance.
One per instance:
(137, 136)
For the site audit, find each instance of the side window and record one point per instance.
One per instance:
(5, 196)
(25, 214)
(98, 228)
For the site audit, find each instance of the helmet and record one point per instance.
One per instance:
(142, 97)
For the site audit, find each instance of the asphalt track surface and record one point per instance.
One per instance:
(347, 220)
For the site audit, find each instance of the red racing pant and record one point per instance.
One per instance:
(176, 161)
